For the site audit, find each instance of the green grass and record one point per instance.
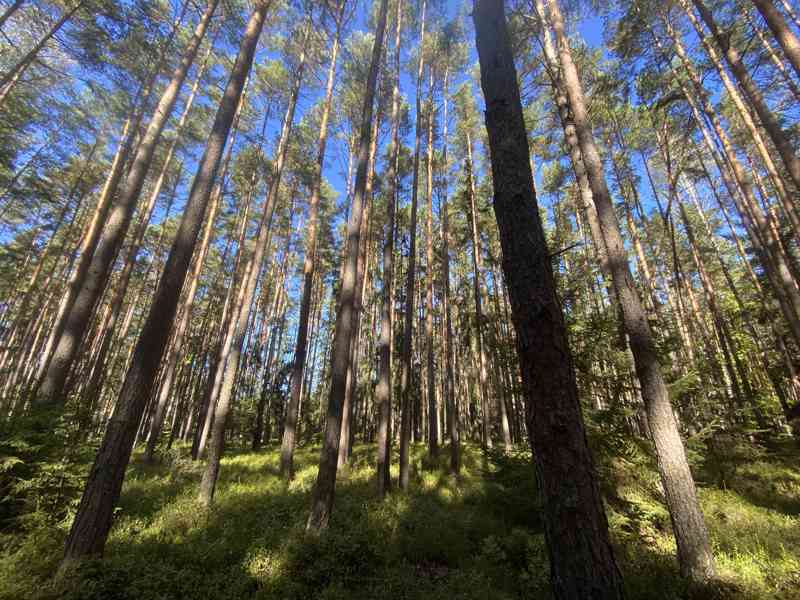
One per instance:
(479, 537)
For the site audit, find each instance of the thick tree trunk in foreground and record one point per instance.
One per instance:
(323, 494)
(581, 557)
(93, 519)
(694, 547)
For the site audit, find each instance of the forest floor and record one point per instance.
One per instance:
(477, 537)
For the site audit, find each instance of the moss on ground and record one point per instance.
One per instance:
(476, 537)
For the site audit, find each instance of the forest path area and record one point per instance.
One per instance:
(476, 537)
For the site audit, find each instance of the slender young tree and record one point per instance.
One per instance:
(309, 263)
(408, 322)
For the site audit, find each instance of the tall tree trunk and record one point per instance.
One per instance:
(323, 494)
(408, 320)
(433, 429)
(486, 432)
(309, 265)
(449, 377)
(383, 392)
(184, 318)
(249, 285)
(93, 520)
(52, 391)
(581, 557)
(694, 547)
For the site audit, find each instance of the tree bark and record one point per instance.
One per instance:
(309, 266)
(694, 547)
(93, 520)
(581, 557)
(53, 390)
(323, 494)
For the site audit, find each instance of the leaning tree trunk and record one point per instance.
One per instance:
(53, 389)
(772, 255)
(770, 123)
(323, 494)
(777, 179)
(694, 547)
(581, 558)
(93, 520)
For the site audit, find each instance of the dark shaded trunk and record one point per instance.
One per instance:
(581, 558)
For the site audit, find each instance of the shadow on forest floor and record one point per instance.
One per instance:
(478, 536)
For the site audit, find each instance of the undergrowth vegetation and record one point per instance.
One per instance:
(476, 537)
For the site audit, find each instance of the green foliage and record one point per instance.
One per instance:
(478, 536)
